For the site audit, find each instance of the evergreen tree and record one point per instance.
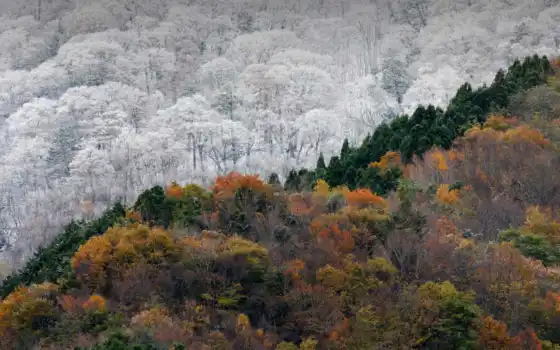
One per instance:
(153, 206)
(293, 182)
(273, 179)
(52, 262)
(321, 162)
(431, 126)
(345, 151)
(335, 172)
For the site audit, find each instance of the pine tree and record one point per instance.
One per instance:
(293, 181)
(335, 172)
(321, 162)
(273, 179)
(345, 151)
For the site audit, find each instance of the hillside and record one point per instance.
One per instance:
(101, 99)
(460, 249)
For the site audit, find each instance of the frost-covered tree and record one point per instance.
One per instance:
(396, 79)
(90, 18)
(101, 99)
(415, 12)
(62, 151)
(259, 47)
(369, 23)
(218, 78)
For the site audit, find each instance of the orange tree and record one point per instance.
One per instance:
(245, 205)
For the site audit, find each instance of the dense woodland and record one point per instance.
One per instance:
(431, 127)
(102, 99)
(441, 231)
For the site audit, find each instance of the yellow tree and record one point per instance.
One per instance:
(389, 160)
(121, 248)
(21, 308)
(541, 222)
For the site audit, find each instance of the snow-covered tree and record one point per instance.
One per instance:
(396, 79)
(100, 99)
(259, 47)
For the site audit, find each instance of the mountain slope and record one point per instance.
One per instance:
(101, 99)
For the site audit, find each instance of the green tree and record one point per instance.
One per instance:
(153, 206)
(321, 162)
(532, 246)
(52, 262)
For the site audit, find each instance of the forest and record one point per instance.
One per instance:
(102, 99)
(441, 231)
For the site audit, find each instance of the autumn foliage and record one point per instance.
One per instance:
(463, 253)
(447, 196)
(363, 198)
(121, 248)
(227, 185)
(340, 262)
(389, 159)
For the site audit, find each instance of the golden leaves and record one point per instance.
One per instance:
(434, 166)
(151, 318)
(388, 160)
(242, 323)
(227, 185)
(525, 134)
(541, 222)
(191, 242)
(91, 257)
(122, 247)
(321, 188)
(308, 344)
(439, 160)
(501, 130)
(381, 265)
(21, 307)
(238, 246)
(500, 123)
(133, 215)
(332, 277)
(433, 292)
(8, 307)
(362, 197)
(95, 303)
(477, 133)
(447, 196)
